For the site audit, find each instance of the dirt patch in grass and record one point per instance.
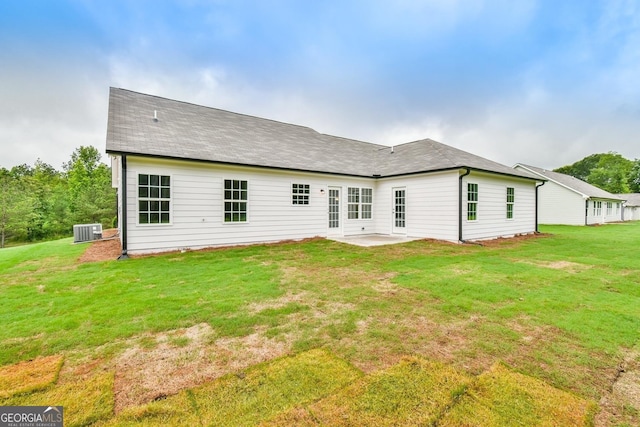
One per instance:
(103, 250)
(569, 266)
(29, 376)
(184, 358)
(621, 404)
(280, 302)
(511, 241)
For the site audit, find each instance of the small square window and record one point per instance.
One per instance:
(300, 194)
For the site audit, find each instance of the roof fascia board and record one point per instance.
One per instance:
(374, 177)
(186, 159)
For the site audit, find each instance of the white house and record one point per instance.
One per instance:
(190, 176)
(564, 199)
(631, 206)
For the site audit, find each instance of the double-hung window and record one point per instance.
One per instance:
(235, 200)
(353, 203)
(609, 208)
(511, 196)
(154, 199)
(597, 208)
(367, 202)
(359, 203)
(472, 201)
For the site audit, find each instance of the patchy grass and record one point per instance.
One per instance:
(52, 304)
(413, 392)
(26, 377)
(562, 308)
(502, 397)
(85, 401)
(247, 397)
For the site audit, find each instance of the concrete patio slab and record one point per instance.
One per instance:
(373, 240)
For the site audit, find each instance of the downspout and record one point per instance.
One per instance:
(460, 204)
(586, 212)
(123, 232)
(538, 186)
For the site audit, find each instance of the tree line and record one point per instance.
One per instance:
(39, 202)
(608, 171)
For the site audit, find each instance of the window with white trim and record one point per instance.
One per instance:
(472, 201)
(300, 194)
(597, 208)
(154, 199)
(353, 203)
(235, 200)
(367, 203)
(511, 197)
(359, 203)
(609, 208)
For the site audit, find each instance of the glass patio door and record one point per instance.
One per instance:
(399, 210)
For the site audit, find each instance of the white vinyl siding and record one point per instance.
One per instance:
(431, 205)
(492, 221)
(559, 205)
(197, 205)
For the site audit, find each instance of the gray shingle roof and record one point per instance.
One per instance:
(633, 199)
(194, 132)
(573, 183)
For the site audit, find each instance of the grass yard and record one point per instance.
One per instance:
(159, 339)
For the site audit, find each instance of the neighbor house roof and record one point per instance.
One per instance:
(147, 125)
(583, 188)
(633, 199)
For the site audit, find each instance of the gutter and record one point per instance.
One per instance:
(538, 186)
(460, 204)
(123, 231)
(357, 175)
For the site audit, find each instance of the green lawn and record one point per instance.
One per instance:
(563, 308)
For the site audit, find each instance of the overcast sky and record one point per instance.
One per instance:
(543, 82)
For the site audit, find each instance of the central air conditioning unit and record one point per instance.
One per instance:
(87, 232)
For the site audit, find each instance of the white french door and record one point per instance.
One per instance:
(399, 210)
(335, 221)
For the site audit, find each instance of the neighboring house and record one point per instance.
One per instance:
(190, 176)
(631, 206)
(564, 199)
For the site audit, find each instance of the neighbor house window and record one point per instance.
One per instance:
(511, 196)
(359, 203)
(300, 194)
(472, 202)
(597, 208)
(609, 208)
(154, 199)
(617, 208)
(235, 200)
